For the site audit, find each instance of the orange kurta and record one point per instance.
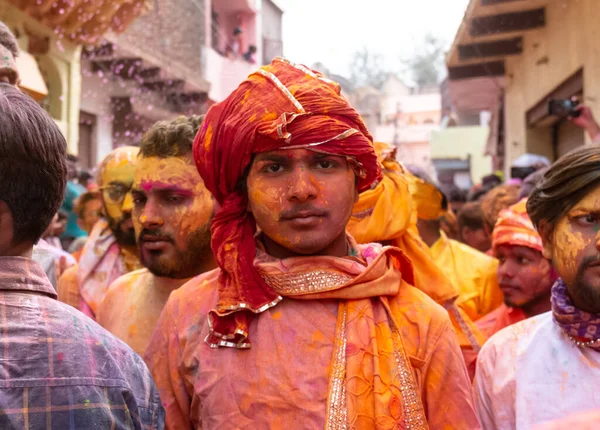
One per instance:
(472, 273)
(287, 378)
(132, 306)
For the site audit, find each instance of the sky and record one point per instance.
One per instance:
(330, 31)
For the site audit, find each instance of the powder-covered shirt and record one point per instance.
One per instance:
(531, 373)
(61, 370)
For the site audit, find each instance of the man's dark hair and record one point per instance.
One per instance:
(567, 181)
(8, 40)
(171, 138)
(33, 171)
(470, 216)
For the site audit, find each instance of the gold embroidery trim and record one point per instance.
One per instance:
(465, 328)
(337, 411)
(315, 281)
(414, 413)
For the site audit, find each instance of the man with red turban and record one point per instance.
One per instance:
(300, 327)
(524, 275)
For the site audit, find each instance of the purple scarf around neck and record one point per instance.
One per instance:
(573, 321)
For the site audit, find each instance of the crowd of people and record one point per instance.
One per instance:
(269, 266)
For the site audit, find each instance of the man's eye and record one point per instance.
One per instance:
(138, 200)
(523, 261)
(326, 164)
(587, 220)
(174, 199)
(274, 168)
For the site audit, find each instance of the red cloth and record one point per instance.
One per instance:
(279, 106)
(499, 319)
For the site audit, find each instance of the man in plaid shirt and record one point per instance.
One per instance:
(58, 368)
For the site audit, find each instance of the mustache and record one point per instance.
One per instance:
(592, 260)
(156, 235)
(303, 210)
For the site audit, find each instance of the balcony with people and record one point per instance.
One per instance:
(232, 52)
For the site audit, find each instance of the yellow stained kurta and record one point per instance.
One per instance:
(472, 273)
(132, 306)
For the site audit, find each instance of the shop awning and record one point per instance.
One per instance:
(32, 81)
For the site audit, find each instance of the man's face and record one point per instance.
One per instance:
(92, 212)
(8, 67)
(477, 238)
(574, 249)
(117, 179)
(524, 275)
(172, 213)
(301, 200)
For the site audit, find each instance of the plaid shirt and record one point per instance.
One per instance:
(61, 370)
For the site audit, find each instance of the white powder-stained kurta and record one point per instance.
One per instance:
(531, 373)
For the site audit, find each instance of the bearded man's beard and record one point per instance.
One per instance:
(187, 262)
(124, 237)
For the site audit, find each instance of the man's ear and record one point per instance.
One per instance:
(548, 244)
(6, 225)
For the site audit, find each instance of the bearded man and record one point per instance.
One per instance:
(300, 326)
(111, 249)
(171, 215)
(548, 367)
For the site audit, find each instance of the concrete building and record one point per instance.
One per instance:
(50, 35)
(511, 57)
(402, 116)
(175, 59)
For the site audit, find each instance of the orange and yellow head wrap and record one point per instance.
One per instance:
(427, 198)
(515, 228)
(280, 106)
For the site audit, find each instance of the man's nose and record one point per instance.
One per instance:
(302, 186)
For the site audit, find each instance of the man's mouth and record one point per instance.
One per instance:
(303, 214)
(151, 242)
(304, 218)
(509, 288)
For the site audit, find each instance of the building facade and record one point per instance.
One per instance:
(51, 35)
(176, 59)
(511, 58)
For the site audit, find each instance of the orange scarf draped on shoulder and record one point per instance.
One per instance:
(388, 214)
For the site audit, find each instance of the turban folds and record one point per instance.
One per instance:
(280, 106)
(427, 198)
(515, 228)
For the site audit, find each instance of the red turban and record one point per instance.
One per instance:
(280, 106)
(515, 228)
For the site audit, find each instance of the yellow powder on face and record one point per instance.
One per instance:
(155, 173)
(575, 237)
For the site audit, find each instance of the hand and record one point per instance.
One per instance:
(587, 121)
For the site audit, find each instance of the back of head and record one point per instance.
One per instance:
(567, 181)
(470, 216)
(531, 181)
(171, 138)
(33, 167)
(498, 198)
(8, 40)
